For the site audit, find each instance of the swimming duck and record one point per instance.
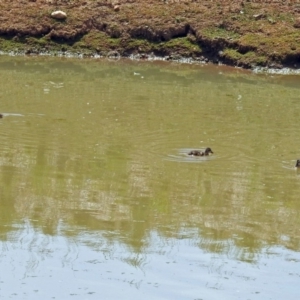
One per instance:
(297, 163)
(1, 116)
(206, 152)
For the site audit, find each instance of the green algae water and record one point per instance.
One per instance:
(99, 199)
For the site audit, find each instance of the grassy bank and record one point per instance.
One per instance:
(242, 33)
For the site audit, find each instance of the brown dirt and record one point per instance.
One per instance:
(244, 33)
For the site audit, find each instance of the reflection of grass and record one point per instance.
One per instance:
(94, 173)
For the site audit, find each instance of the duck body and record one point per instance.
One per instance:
(297, 163)
(206, 152)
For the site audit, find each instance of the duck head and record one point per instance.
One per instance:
(208, 151)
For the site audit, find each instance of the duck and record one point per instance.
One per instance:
(1, 116)
(297, 163)
(206, 152)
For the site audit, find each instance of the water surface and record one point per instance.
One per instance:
(100, 199)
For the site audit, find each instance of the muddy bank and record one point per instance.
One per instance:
(241, 33)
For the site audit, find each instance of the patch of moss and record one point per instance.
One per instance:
(285, 17)
(217, 32)
(36, 41)
(250, 58)
(7, 45)
(279, 44)
(99, 41)
(255, 40)
(181, 45)
(141, 45)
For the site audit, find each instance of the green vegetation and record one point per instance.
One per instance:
(179, 45)
(248, 59)
(217, 32)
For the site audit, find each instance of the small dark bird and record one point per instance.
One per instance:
(206, 152)
(297, 163)
(1, 116)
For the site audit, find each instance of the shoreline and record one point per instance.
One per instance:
(114, 56)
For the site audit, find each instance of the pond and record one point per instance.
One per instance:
(99, 198)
